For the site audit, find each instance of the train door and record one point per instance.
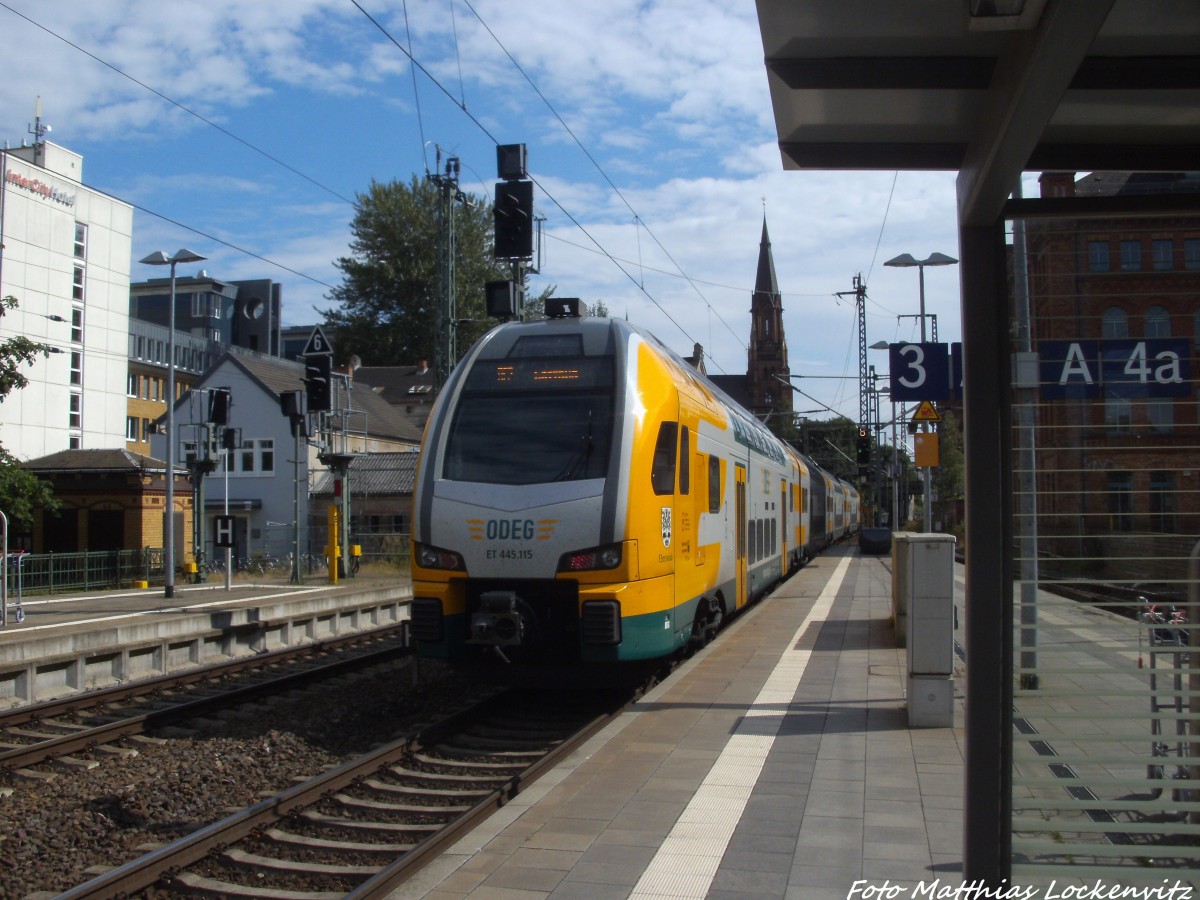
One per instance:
(785, 544)
(740, 526)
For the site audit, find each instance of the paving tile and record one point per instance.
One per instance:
(588, 890)
(839, 788)
(524, 878)
(536, 858)
(749, 884)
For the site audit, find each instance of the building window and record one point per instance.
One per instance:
(1114, 323)
(146, 431)
(206, 305)
(131, 428)
(131, 381)
(1118, 407)
(80, 240)
(74, 442)
(1164, 250)
(1120, 501)
(1191, 253)
(76, 367)
(145, 387)
(75, 418)
(1160, 413)
(1162, 502)
(77, 284)
(1131, 256)
(1158, 322)
(256, 457)
(1098, 256)
(77, 325)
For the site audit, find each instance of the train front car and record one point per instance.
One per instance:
(532, 540)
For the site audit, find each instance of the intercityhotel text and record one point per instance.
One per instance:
(977, 890)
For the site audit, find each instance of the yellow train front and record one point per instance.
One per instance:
(585, 496)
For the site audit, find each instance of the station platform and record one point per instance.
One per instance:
(66, 643)
(777, 762)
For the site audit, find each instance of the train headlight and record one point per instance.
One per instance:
(608, 557)
(430, 557)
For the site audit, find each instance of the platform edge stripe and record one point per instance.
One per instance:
(785, 677)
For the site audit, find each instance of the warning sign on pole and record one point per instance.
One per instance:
(926, 413)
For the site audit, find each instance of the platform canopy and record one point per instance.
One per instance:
(985, 87)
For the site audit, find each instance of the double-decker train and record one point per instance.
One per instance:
(585, 496)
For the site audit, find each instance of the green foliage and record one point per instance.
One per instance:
(948, 476)
(386, 309)
(831, 444)
(21, 492)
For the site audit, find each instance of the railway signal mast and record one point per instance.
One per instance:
(446, 350)
(514, 228)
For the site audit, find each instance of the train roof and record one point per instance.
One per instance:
(600, 336)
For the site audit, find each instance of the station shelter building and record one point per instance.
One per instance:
(1080, 392)
(110, 500)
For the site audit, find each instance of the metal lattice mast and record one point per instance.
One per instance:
(446, 351)
(864, 384)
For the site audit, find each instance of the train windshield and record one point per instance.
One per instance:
(532, 421)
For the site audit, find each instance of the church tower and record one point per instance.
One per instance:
(768, 355)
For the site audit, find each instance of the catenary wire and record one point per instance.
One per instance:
(598, 167)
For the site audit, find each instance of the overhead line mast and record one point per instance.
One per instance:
(864, 388)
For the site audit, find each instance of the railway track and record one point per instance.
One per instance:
(93, 723)
(364, 827)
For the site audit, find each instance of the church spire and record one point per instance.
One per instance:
(765, 282)
(768, 354)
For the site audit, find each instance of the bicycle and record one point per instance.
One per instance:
(1167, 629)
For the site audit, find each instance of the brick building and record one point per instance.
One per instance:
(111, 500)
(1115, 318)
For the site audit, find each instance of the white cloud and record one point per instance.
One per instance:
(669, 97)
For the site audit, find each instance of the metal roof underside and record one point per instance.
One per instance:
(1081, 85)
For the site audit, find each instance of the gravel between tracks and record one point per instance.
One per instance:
(51, 832)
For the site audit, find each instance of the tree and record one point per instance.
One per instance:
(948, 476)
(386, 308)
(21, 492)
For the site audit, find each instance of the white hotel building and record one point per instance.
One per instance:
(65, 255)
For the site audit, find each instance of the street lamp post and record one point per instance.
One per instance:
(159, 258)
(907, 261)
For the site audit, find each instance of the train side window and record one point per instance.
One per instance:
(685, 461)
(662, 473)
(714, 484)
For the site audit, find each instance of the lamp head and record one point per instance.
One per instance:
(186, 256)
(940, 259)
(159, 258)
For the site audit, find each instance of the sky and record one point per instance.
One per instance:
(245, 132)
